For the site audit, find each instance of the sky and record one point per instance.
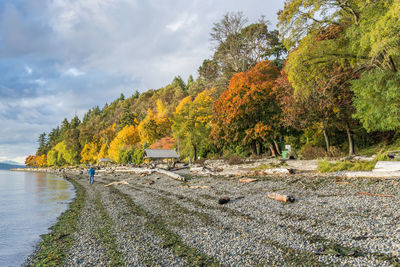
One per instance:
(59, 58)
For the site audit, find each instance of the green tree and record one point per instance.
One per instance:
(192, 124)
(43, 148)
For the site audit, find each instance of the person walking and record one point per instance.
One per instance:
(91, 175)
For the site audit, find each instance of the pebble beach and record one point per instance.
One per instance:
(153, 220)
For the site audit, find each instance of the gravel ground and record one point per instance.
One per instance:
(169, 224)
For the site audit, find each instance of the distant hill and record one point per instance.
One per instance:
(7, 166)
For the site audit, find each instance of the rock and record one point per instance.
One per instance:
(223, 200)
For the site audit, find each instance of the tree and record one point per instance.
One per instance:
(237, 47)
(43, 148)
(192, 124)
(125, 140)
(30, 161)
(247, 113)
(155, 125)
(41, 160)
(377, 100)
(90, 152)
(368, 41)
(328, 104)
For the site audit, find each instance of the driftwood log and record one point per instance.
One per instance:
(170, 174)
(281, 198)
(248, 180)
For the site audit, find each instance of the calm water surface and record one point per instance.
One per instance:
(29, 205)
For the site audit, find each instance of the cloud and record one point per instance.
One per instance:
(73, 72)
(28, 70)
(58, 58)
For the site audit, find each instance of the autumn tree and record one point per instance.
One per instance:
(90, 152)
(327, 105)
(247, 113)
(155, 125)
(125, 140)
(237, 47)
(41, 160)
(367, 41)
(31, 161)
(192, 124)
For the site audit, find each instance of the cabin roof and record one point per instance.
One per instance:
(160, 153)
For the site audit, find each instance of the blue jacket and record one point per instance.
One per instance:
(91, 171)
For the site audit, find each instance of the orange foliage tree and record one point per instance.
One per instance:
(164, 143)
(30, 161)
(247, 113)
(41, 160)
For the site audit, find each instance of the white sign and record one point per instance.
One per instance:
(288, 148)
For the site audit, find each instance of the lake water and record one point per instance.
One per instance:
(29, 204)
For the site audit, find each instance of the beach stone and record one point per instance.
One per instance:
(223, 200)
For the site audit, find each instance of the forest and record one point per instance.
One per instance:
(326, 82)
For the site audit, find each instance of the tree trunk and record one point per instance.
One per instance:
(350, 138)
(194, 153)
(254, 148)
(277, 147)
(326, 137)
(273, 151)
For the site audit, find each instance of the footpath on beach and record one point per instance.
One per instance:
(207, 215)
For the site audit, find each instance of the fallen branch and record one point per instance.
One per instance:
(117, 183)
(372, 194)
(248, 180)
(281, 198)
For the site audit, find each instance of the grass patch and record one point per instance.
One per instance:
(326, 166)
(170, 239)
(55, 245)
(103, 234)
(270, 166)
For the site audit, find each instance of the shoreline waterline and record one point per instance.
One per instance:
(29, 204)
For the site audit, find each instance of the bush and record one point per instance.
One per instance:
(138, 156)
(234, 160)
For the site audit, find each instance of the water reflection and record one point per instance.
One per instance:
(29, 204)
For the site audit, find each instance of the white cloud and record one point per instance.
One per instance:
(73, 72)
(28, 69)
(185, 21)
(40, 82)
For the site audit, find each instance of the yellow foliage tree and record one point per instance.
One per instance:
(41, 160)
(155, 125)
(90, 152)
(103, 153)
(126, 139)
